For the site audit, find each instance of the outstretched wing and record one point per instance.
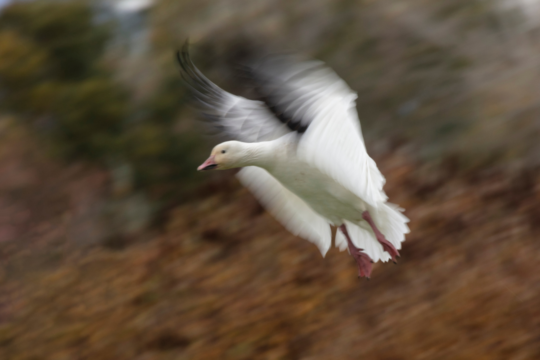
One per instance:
(288, 208)
(236, 117)
(310, 99)
(322, 106)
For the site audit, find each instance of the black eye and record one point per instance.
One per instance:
(223, 151)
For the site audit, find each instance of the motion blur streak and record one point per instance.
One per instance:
(113, 246)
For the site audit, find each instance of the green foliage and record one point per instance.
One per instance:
(66, 29)
(410, 80)
(20, 68)
(52, 77)
(89, 118)
(50, 55)
(171, 96)
(164, 157)
(20, 61)
(163, 160)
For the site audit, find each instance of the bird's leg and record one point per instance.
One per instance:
(362, 259)
(387, 245)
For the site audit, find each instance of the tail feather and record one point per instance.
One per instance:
(390, 221)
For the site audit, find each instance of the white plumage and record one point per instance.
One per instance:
(303, 156)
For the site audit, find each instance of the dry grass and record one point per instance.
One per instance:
(224, 280)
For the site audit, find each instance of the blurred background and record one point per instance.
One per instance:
(112, 246)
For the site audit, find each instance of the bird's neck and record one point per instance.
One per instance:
(258, 154)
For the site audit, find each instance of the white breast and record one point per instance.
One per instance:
(323, 194)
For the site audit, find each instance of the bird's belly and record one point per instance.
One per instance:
(324, 195)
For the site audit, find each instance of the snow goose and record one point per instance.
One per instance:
(302, 155)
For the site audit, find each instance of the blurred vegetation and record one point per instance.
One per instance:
(60, 88)
(54, 76)
(224, 280)
(414, 67)
(97, 142)
(443, 75)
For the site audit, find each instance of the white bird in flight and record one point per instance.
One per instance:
(303, 156)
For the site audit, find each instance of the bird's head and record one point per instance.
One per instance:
(227, 155)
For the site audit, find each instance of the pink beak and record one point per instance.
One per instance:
(209, 164)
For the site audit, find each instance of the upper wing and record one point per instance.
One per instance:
(288, 208)
(306, 97)
(237, 117)
(333, 143)
(312, 96)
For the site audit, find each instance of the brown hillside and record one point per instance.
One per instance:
(224, 280)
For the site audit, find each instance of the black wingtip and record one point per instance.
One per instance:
(182, 56)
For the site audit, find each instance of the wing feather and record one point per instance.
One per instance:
(235, 116)
(313, 96)
(285, 206)
(311, 99)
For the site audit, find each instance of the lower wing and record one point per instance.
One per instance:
(289, 209)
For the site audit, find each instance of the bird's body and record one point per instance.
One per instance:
(325, 196)
(302, 155)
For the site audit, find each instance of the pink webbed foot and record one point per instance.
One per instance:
(363, 261)
(387, 245)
